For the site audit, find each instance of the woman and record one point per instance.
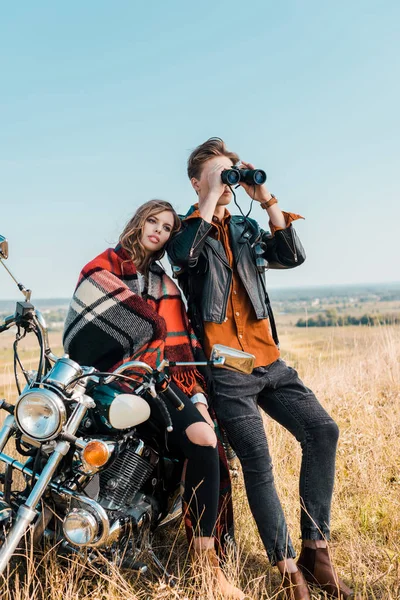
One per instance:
(125, 307)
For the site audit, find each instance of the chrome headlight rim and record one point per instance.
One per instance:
(49, 397)
(83, 533)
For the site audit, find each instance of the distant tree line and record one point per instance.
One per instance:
(331, 318)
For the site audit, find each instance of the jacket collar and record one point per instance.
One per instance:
(194, 213)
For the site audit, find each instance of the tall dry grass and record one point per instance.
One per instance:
(355, 372)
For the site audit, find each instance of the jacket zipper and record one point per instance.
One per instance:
(228, 288)
(293, 250)
(194, 246)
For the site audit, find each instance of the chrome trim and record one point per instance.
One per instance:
(41, 323)
(25, 517)
(140, 447)
(5, 432)
(80, 444)
(75, 419)
(15, 464)
(129, 365)
(28, 440)
(115, 532)
(235, 360)
(174, 513)
(91, 520)
(63, 372)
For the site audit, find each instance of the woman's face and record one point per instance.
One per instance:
(157, 231)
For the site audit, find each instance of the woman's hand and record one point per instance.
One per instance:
(203, 410)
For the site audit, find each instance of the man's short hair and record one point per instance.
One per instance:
(212, 147)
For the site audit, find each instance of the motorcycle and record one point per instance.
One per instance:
(98, 475)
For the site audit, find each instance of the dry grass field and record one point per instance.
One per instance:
(355, 372)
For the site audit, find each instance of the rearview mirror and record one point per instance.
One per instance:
(3, 247)
(235, 360)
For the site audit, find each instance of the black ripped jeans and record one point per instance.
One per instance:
(202, 479)
(278, 390)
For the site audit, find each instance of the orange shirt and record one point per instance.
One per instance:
(241, 329)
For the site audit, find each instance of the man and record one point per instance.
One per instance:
(220, 262)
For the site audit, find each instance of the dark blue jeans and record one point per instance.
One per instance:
(278, 390)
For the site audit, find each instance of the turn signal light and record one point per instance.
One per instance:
(96, 453)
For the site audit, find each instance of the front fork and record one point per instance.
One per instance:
(6, 431)
(27, 512)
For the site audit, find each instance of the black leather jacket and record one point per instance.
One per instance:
(205, 276)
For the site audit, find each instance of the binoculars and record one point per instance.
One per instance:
(250, 176)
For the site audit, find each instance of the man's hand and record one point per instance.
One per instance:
(214, 190)
(256, 192)
(216, 187)
(203, 410)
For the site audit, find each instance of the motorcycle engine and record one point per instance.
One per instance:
(126, 475)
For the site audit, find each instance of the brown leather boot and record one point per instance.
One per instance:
(318, 570)
(208, 561)
(295, 587)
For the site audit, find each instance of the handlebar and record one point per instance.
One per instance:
(168, 392)
(93, 375)
(7, 407)
(165, 414)
(129, 365)
(25, 313)
(173, 398)
(41, 324)
(8, 322)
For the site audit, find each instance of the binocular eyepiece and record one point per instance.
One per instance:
(250, 176)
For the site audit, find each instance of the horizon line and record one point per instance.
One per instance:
(274, 287)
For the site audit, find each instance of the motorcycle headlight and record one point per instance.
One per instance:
(40, 414)
(80, 527)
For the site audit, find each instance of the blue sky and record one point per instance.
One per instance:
(101, 103)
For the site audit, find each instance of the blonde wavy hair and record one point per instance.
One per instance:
(130, 238)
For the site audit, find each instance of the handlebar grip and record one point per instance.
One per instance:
(173, 398)
(165, 414)
(7, 407)
(8, 322)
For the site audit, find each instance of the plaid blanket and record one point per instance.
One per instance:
(109, 323)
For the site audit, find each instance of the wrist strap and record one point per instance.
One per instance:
(269, 203)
